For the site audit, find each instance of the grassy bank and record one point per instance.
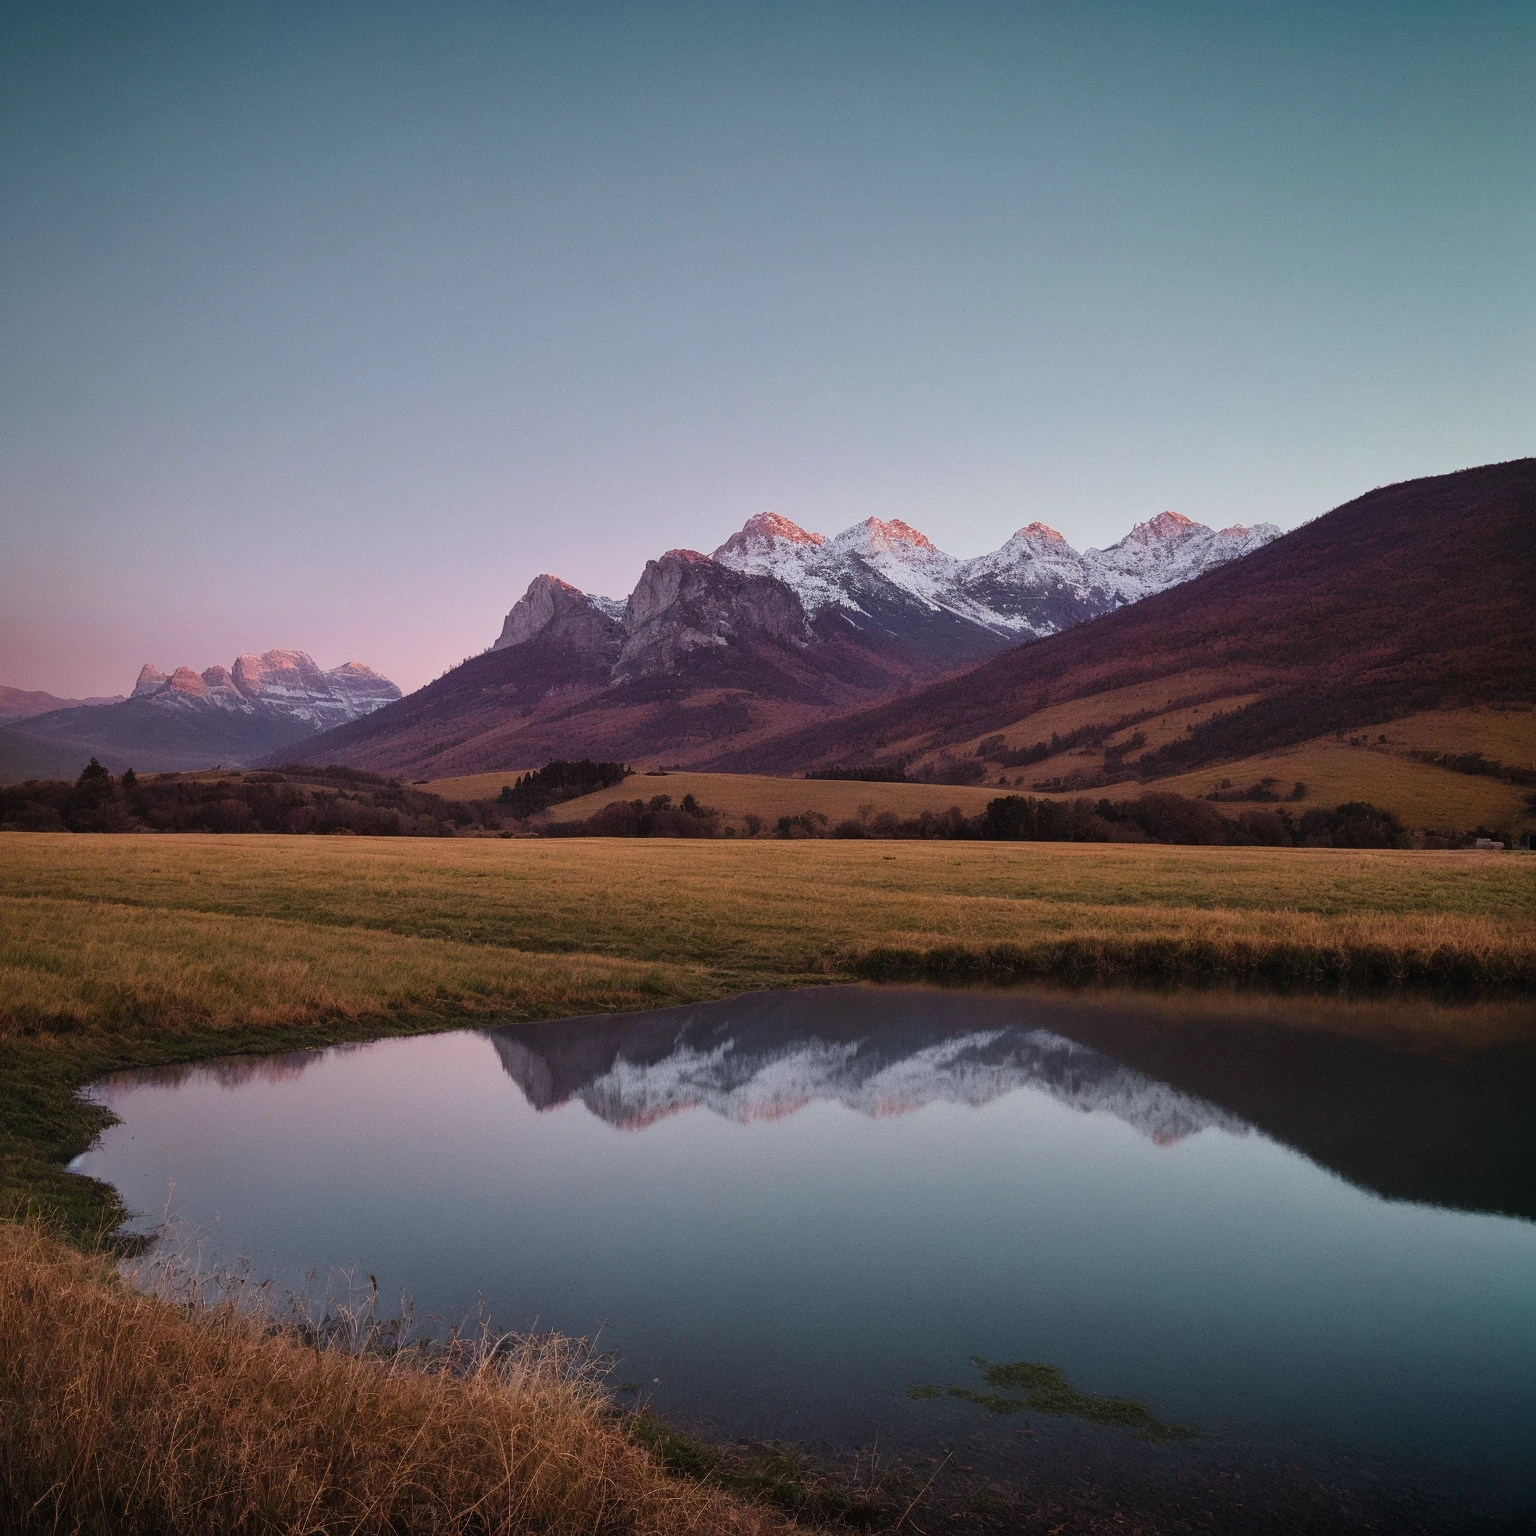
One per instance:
(266, 1430)
(129, 951)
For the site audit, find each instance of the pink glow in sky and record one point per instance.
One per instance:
(329, 328)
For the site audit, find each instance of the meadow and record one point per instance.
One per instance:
(1375, 764)
(738, 795)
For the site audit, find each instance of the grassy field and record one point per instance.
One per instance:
(735, 795)
(1421, 794)
(1334, 770)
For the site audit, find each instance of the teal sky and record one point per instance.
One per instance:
(330, 326)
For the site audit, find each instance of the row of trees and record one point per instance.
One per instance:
(320, 800)
(290, 800)
(1150, 818)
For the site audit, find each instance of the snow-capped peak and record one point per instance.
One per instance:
(875, 536)
(769, 525)
(1166, 525)
(1040, 533)
(1166, 550)
(275, 682)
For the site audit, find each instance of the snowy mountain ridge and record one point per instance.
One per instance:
(1001, 590)
(287, 683)
(882, 584)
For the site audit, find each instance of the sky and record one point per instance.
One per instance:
(330, 327)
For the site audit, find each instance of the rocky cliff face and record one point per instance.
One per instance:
(686, 603)
(555, 610)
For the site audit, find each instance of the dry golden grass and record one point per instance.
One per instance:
(475, 786)
(731, 912)
(67, 967)
(122, 1413)
(1420, 794)
(1222, 690)
(737, 794)
(1385, 773)
(1507, 735)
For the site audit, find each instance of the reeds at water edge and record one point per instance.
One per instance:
(187, 1406)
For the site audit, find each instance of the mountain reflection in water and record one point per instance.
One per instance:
(1448, 1127)
(746, 1074)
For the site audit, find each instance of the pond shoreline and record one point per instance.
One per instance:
(1211, 1057)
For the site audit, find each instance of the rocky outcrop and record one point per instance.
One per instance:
(685, 603)
(556, 610)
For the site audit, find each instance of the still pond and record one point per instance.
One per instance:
(805, 1214)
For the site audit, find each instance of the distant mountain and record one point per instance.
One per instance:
(22, 704)
(227, 716)
(1035, 585)
(1415, 597)
(777, 628)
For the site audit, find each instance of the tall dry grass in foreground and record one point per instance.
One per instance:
(121, 1412)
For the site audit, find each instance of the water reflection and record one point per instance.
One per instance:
(785, 1209)
(1348, 1084)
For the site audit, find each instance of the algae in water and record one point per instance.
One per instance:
(1047, 1390)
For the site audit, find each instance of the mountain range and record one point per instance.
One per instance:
(226, 716)
(1176, 652)
(1412, 599)
(778, 628)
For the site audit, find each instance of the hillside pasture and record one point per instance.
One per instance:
(737, 795)
(1357, 765)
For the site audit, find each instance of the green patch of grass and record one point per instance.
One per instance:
(1048, 1391)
